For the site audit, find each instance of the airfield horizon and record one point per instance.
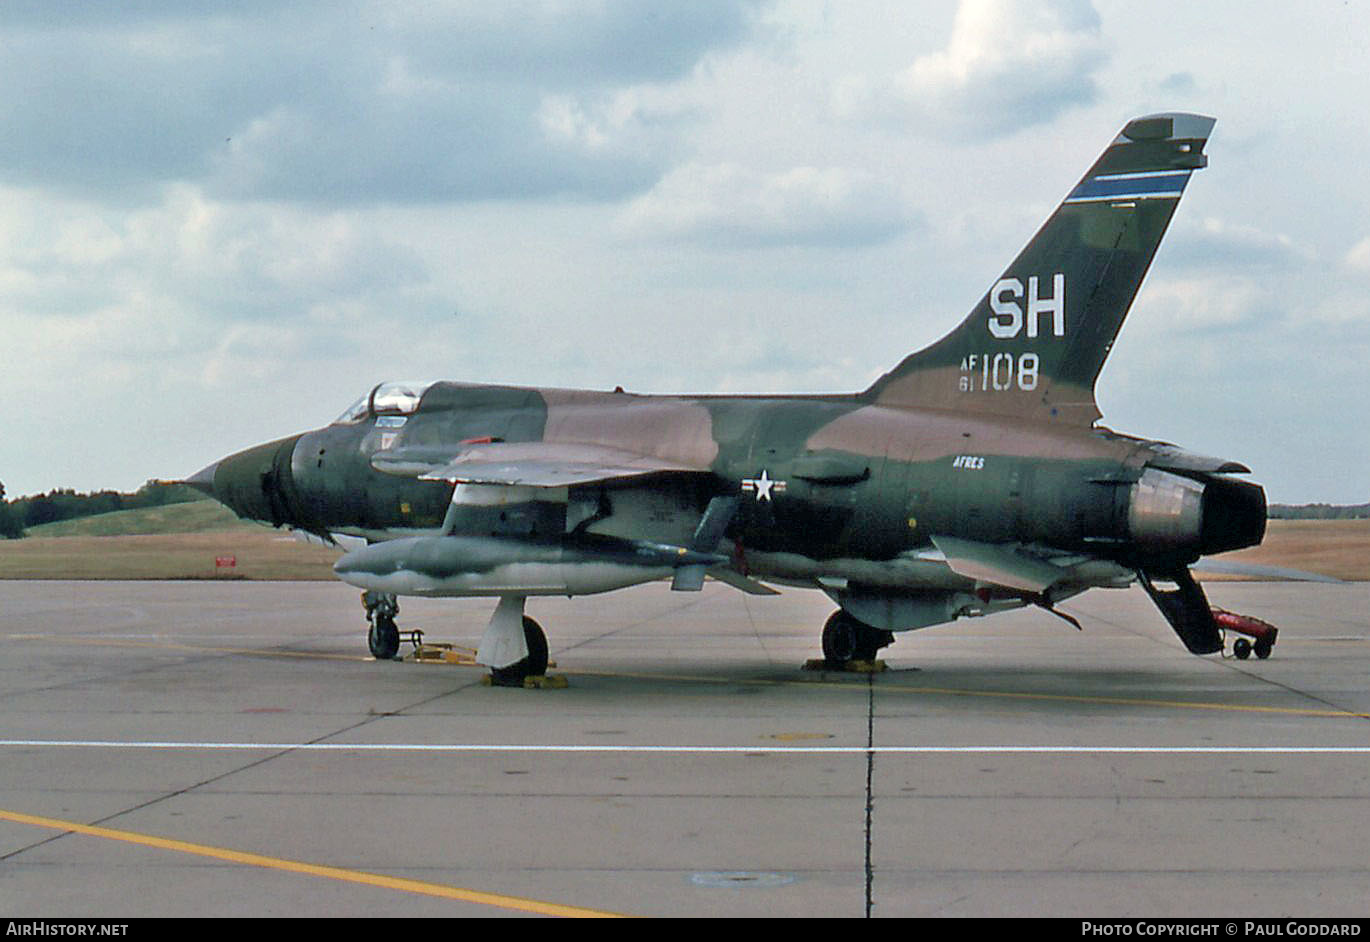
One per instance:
(150, 544)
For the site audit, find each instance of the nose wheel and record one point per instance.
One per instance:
(383, 637)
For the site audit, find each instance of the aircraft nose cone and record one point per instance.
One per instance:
(203, 480)
(256, 484)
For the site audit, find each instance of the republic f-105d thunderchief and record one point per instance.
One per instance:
(970, 479)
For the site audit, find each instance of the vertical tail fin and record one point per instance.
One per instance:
(1034, 345)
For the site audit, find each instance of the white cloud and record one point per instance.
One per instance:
(731, 205)
(562, 118)
(1359, 255)
(1349, 313)
(86, 286)
(1213, 242)
(1008, 64)
(364, 104)
(1168, 306)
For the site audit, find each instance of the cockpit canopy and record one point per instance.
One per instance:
(393, 398)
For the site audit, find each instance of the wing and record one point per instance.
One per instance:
(529, 464)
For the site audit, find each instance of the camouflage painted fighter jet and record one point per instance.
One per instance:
(970, 479)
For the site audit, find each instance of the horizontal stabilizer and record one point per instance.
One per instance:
(1226, 567)
(1170, 458)
(999, 564)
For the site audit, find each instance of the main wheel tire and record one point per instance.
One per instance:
(839, 639)
(1241, 648)
(537, 648)
(534, 665)
(384, 638)
(846, 639)
(1263, 647)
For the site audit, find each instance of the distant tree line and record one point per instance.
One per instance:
(67, 504)
(11, 527)
(1319, 511)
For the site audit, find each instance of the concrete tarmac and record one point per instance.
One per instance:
(230, 749)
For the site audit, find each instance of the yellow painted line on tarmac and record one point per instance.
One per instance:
(439, 890)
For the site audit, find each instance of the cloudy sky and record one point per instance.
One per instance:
(222, 223)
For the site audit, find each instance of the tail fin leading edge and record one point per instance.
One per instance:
(1034, 345)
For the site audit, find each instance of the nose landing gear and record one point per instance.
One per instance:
(383, 637)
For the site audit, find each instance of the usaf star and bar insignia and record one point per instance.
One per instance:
(763, 487)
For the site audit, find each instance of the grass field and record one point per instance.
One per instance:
(182, 541)
(178, 541)
(194, 517)
(1338, 548)
(258, 553)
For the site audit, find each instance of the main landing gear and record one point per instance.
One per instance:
(845, 639)
(534, 665)
(513, 646)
